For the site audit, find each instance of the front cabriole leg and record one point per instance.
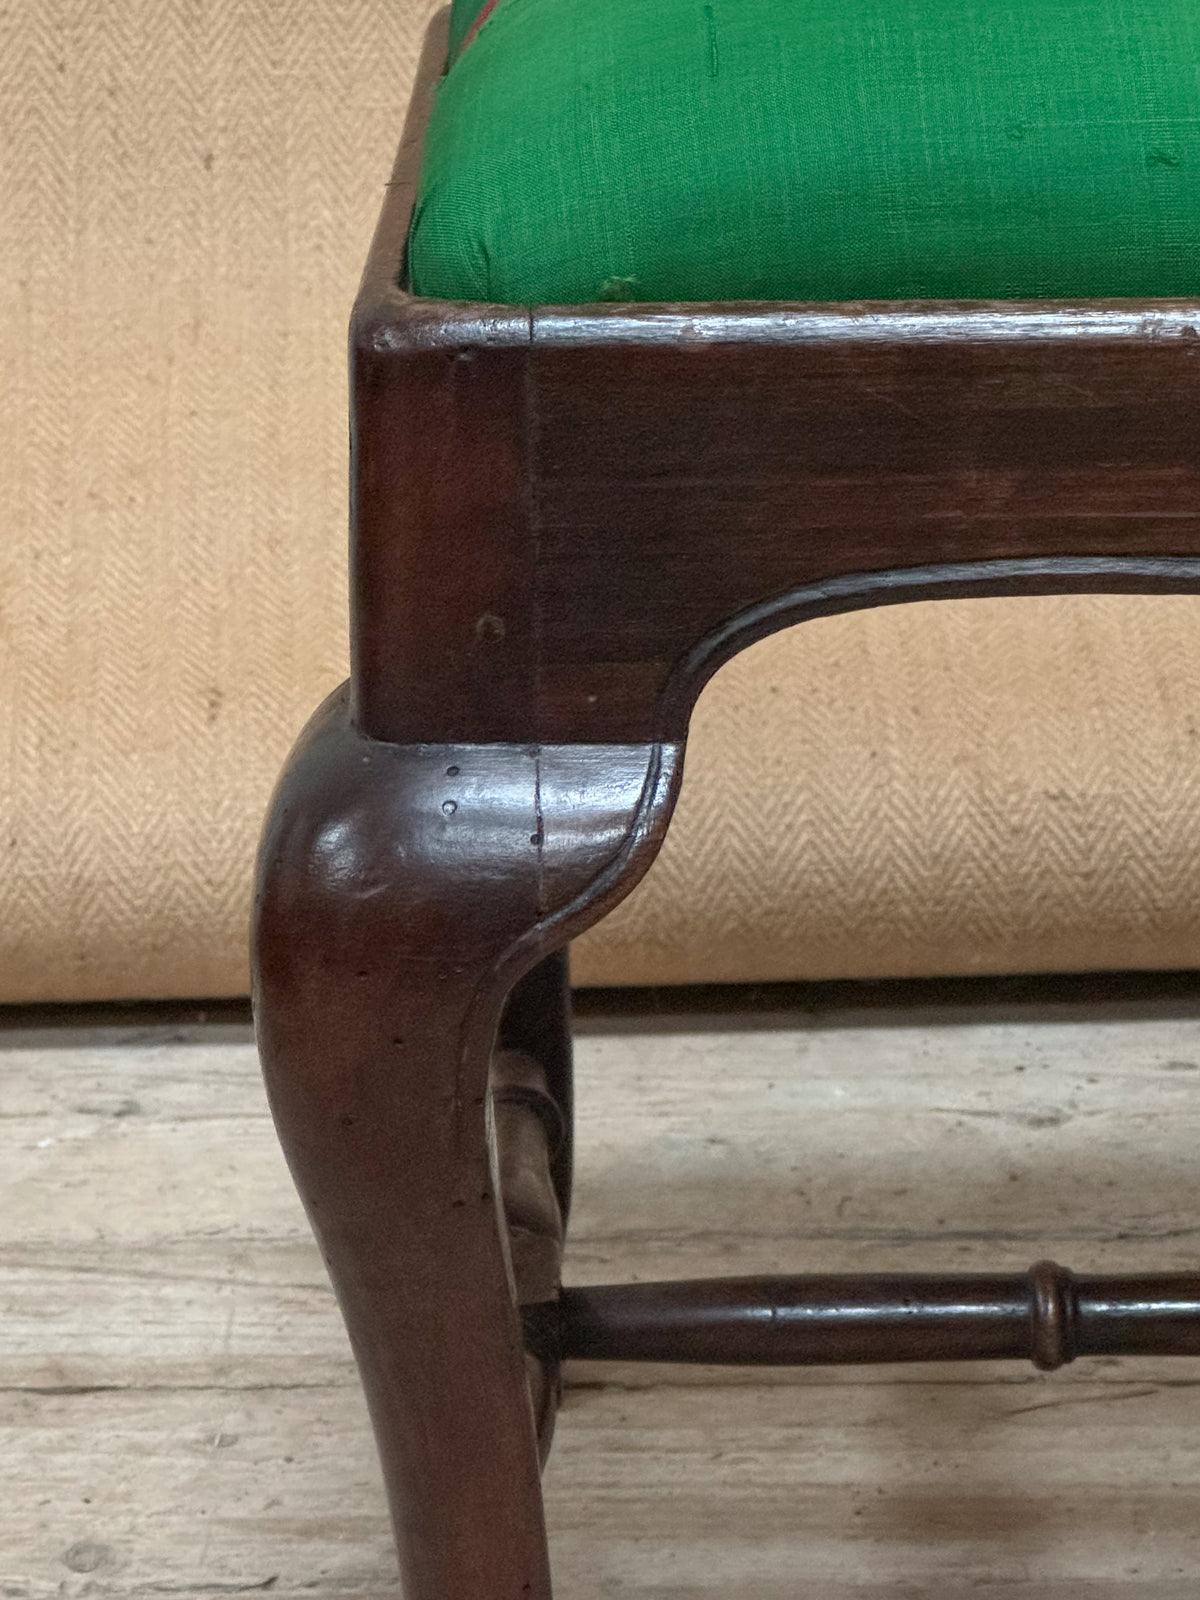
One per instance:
(403, 889)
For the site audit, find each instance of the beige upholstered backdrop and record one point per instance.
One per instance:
(186, 192)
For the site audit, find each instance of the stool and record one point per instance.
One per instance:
(564, 520)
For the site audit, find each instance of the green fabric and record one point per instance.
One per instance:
(583, 150)
(462, 15)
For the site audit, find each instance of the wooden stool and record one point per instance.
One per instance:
(563, 523)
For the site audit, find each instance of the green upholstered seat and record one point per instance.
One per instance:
(584, 150)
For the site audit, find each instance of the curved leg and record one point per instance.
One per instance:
(529, 1128)
(403, 890)
(537, 1021)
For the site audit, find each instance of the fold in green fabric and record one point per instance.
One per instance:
(584, 150)
(462, 17)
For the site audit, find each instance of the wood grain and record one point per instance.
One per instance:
(562, 523)
(180, 1411)
(559, 510)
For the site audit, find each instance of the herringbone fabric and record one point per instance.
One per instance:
(983, 786)
(186, 193)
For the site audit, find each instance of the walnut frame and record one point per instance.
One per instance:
(564, 520)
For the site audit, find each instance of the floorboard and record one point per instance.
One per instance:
(179, 1413)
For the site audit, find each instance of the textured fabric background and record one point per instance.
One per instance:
(187, 188)
(587, 150)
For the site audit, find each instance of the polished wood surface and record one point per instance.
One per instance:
(403, 891)
(1048, 1316)
(564, 519)
(626, 495)
(529, 1131)
(635, 512)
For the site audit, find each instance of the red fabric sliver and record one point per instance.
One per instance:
(478, 23)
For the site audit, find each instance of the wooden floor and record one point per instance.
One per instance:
(179, 1414)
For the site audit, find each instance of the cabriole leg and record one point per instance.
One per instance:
(403, 891)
